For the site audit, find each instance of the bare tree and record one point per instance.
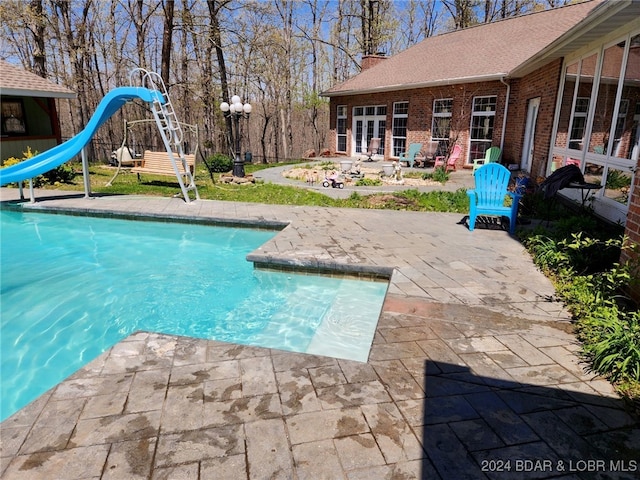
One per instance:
(461, 11)
(215, 40)
(37, 28)
(285, 52)
(167, 34)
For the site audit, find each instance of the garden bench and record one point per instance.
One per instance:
(159, 163)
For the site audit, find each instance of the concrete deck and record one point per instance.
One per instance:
(473, 372)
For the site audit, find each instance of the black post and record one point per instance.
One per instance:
(238, 163)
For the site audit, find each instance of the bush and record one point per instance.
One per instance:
(592, 285)
(368, 182)
(61, 174)
(219, 163)
(613, 343)
(438, 175)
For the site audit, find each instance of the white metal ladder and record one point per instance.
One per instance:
(170, 130)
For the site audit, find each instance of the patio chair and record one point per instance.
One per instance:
(374, 145)
(492, 155)
(451, 161)
(429, 153)
(488, 197)
(410, 155)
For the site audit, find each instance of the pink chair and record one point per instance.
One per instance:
(451, 162)
(573, 161)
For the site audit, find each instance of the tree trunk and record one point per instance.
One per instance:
(167, 34)
(216, 41)
(37, 28)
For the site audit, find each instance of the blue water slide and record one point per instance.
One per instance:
(64, 152)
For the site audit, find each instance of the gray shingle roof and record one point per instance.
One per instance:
(483, 52)
(16, 81)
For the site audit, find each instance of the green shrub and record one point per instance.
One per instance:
(219, 163)
(592, 285)
(613, 343)
(617, 180)
(326, 165)
(368, 182)
(61, 174)
(438, 175)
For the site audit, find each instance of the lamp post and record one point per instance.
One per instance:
(235, 110)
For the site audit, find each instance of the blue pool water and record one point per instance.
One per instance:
(71, 287)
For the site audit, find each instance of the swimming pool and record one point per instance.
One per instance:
(71, 287)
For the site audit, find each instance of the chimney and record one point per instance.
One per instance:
(369, 61)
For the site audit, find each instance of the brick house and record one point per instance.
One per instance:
(29, 116)
(548, 88)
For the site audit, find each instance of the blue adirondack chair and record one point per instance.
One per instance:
(488, 198)
(410, 155)
(490, 156)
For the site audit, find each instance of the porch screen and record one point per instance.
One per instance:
(598, 125)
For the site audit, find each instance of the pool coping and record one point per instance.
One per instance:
(259, 260)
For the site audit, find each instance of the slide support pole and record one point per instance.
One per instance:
(85, 173)
(32, 195)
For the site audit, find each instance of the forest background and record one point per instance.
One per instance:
(278, 55)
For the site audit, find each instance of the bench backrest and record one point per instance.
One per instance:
(161, 161)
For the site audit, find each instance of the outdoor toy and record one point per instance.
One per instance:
(333, 180)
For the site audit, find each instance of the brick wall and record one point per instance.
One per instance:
(420, 112)
(541, 83)
(632, 231)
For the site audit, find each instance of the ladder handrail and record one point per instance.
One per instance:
(153, 81)
(169, 127)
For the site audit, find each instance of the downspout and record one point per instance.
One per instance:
(506, 111)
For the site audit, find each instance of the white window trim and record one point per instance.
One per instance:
(440, 115)
(338, 135)
(480, 113)
(395, 115)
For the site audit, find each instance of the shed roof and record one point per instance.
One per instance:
(17, 81)
(488, 51)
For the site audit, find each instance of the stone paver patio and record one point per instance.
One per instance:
(473, 372)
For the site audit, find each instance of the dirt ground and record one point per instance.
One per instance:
(358, 171)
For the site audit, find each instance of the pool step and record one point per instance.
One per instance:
(347, 329)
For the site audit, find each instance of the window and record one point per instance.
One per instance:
(400, 117)
(441, 123)
(605, 100)
(598, 120)
(341, 129)
(562, 133)
(620, 128)
(482, 119)
(13, 118)
(576, 138)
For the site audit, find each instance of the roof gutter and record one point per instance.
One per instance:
(506, 111)
(21, 92)
(412, 86)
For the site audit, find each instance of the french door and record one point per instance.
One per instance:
(369, 122)
(530, 134)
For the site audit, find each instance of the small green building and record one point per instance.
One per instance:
(28, 110)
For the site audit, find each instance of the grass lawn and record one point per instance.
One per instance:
(127, 183)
